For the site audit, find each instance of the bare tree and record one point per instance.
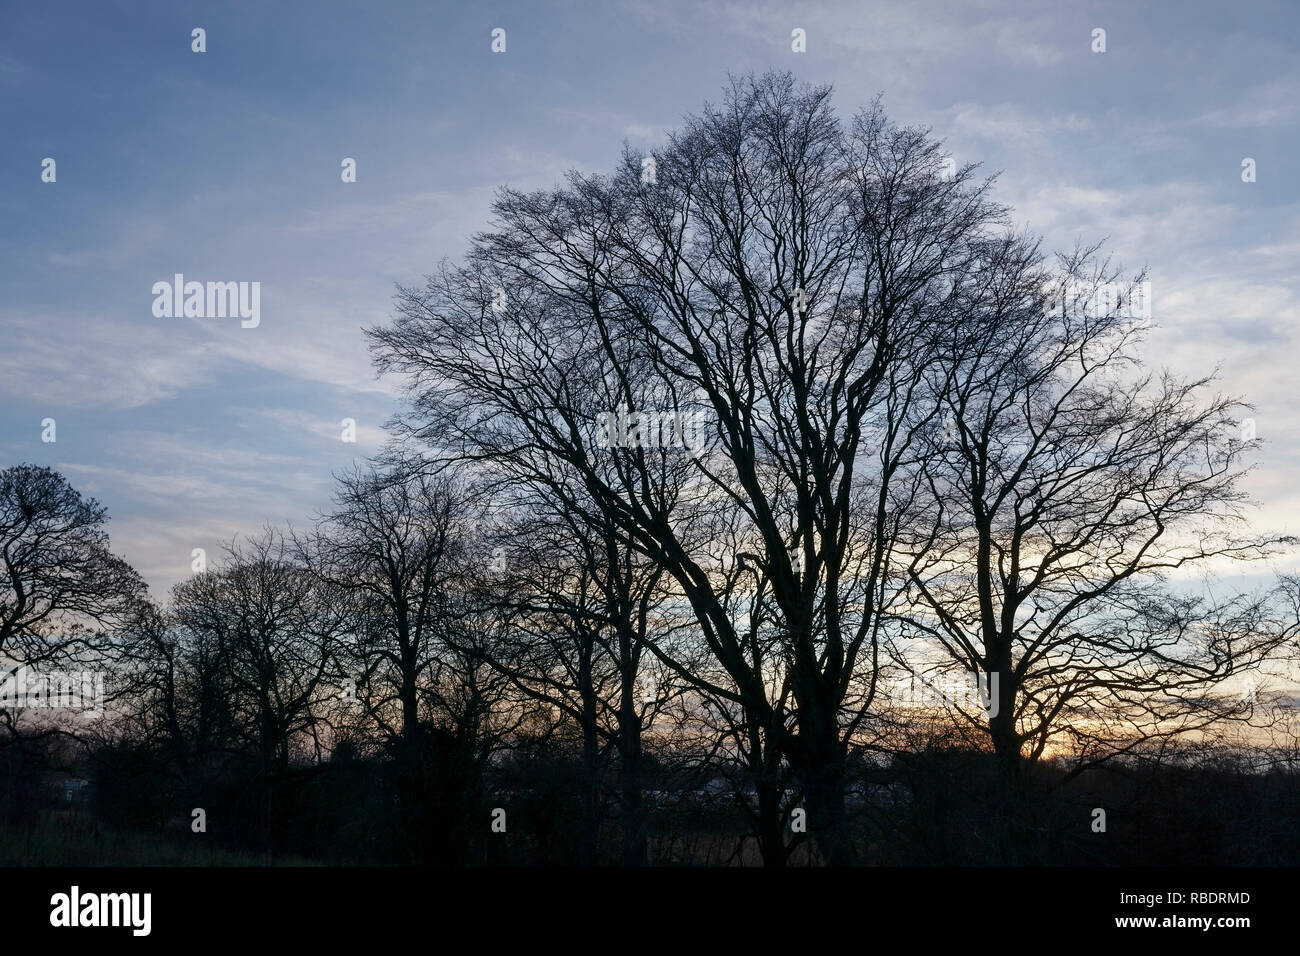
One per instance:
(273, 626)
(1071, 489)
(580, 609)
(781, 275)
(392, 541)
(59, 581)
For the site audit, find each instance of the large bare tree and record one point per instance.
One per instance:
(778, 273)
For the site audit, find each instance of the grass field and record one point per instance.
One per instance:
(69, 838)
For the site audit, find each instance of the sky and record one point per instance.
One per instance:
(226, 165)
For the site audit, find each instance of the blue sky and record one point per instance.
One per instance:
(225, 166)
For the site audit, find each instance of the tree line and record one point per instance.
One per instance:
(931, 455)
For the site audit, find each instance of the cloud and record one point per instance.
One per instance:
(370, 436)
(169, 492)
(613, 122)
(1012, 126)
(80, 360)
(1262, 106)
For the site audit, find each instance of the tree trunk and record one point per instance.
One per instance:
(771, 827)
(589, 838)
(823, 785)
(635, 848)
(818, 762)
(1002, 720)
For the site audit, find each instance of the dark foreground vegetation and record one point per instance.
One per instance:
(939, 807)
